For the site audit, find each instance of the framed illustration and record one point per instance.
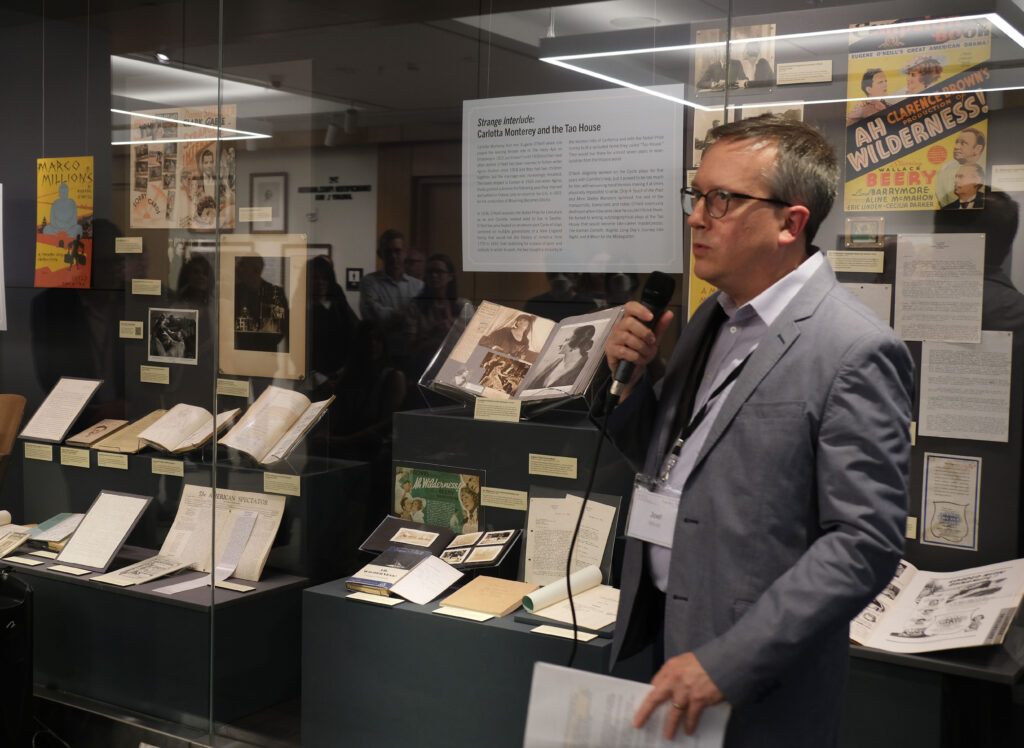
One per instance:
(262, 330)
(865, 231)
(269, 192)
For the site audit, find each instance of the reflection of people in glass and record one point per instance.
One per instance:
(514, 339)
(570, 360)
(63, 215)
(873, 83)
(261, 309)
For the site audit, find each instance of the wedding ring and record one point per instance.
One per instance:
(680, 707)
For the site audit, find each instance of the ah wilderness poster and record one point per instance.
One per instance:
(175, 177)
(64, 207)
(914, 112)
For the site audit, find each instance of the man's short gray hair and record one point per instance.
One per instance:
(805, 173)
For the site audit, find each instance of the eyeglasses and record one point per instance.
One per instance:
(716, 201)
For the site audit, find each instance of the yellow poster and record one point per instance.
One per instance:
(64, 207)
(915, 116)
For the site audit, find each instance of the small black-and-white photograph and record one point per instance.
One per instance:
(456, 556)
(170, 164)
(168, 180)
(497, 538)
(482, 555)
(502, 373)
(460, 541)
(172, 335)
(261, 304)
(141, 152)
(141, 183)
(155, 172)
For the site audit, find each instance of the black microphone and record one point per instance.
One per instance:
(656, 295)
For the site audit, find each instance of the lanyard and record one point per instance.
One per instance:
(688, 429)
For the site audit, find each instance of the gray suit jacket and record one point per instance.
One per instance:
(792, 518)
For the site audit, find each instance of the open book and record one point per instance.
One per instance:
(274, 424)
(925, 611)
(506, 354)
(184, 427)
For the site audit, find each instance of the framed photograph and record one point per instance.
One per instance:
(173, 336)
(262, 330)
(317, 250)
(269, 192)
(865, 231)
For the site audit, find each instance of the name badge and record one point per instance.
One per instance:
(652, 513)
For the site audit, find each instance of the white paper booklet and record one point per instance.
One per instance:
(925, 611)
(572, 708)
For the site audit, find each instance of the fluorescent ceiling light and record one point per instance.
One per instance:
(563, 61)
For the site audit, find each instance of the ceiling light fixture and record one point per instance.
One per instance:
(575, 62)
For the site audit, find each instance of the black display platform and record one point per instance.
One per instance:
(151, 653)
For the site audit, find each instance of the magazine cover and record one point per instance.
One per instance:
(439, 496)
(64, 205)
(913, 121)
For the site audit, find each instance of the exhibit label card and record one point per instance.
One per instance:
(952, 487)
(74, 457)
(939, 280)
(233, 387)
(965, 388)
(553, 466)
(154, 374)
(366, 597)
(131, 329)
(564, 633)
(573, 181)
(489, 409)
(168, 467)
(808, 71)
(41, 452)
(1008, 177)
(146, 286)
(856, 260)
(289, 485)
(505, 498)
(112, 460)
(128, 245)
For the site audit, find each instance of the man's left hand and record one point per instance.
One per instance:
(684, 683)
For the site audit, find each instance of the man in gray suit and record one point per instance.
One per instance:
(777, 444)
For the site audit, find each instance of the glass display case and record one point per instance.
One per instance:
(285, 208)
